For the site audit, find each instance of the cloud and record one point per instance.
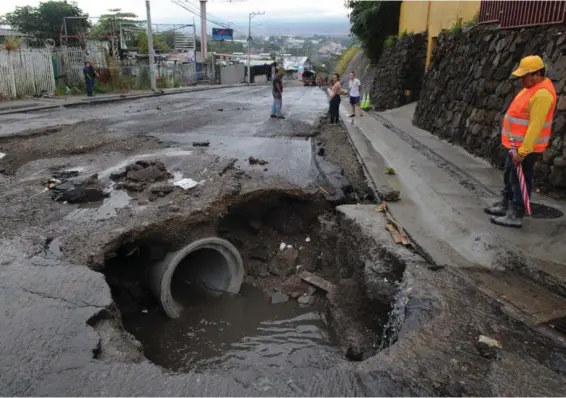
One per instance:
(164, 11)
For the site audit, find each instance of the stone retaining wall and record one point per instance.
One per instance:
(399, 72)
(467, 90)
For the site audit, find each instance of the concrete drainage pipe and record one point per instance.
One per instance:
(211, 263)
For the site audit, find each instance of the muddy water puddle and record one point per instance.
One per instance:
(241, 333)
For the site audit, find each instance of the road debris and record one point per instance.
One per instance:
(186, 183)
(201, 143)
(306, 300)
(284, 262)
(77, 190)
(253, 161)
(279, 298)
(389, 194)
(488, 348)
(316, 281)
(140, 175)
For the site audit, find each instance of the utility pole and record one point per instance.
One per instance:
(150, 47)
(203, 29)
(252, 14)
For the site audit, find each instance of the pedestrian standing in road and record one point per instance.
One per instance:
(527, 128)
(90, 76)
(355, 96)
(277, 96)
(335, 99)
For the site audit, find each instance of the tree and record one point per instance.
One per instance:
(109, 24)
(372, 22)
(158, 43)
(226, 47)
(46, 20)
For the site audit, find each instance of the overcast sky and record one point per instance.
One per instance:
(165, 11)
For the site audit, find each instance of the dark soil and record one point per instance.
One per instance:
(333, 143)
(68, 140)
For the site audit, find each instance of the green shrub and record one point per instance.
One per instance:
(345, 59)
(390, 41)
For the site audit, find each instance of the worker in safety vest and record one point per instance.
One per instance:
(526, 127)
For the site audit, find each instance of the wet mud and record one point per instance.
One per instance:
(68, 140)
(277, 317)
(85, 323)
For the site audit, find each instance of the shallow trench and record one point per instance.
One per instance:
(276, 325)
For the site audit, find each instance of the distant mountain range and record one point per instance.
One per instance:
(325, 27)
(297, 27)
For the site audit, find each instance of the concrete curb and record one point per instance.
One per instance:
(119, 99)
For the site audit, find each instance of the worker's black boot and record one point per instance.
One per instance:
(513, 218)
(498, 209)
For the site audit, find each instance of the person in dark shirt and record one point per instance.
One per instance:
(90, 76)
(277, 96)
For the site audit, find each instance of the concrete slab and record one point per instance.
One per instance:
(443, 191)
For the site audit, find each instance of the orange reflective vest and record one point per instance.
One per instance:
(516, 120)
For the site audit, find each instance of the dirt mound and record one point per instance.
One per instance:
(141, 175)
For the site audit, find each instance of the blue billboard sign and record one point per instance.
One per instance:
(222, 34)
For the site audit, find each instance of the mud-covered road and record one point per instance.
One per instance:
(54, 339)
(59, 333)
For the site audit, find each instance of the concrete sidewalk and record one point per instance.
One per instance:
(40, 104)
(443, 192)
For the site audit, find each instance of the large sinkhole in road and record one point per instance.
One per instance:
(277, 325)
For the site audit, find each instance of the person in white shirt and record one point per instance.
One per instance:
(355, 95)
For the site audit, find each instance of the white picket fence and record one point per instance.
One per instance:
(26, 73)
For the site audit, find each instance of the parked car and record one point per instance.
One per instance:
(309, 78)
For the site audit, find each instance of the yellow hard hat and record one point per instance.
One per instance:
(530, 64)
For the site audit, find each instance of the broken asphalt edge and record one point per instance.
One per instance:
(507, 307)
(119, 98)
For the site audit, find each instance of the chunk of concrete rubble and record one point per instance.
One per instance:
(284, 263)
(488, 348)
(389, 194)
(306, 300)
(79, 190)
(253, 160)
(162, 188)
(295, 287)
(279, 298)
(317, 281)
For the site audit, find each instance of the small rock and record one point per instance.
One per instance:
(320, 151)
(278, 298)
(306, 300)
(174, 208)
(253, 160)
(294, 287)
(117, 176)
(132, 186)
(201, 143)
(162, 188)
(220, 110)
(389, 194)
(284, 263)
(488, 348)
(158, 108)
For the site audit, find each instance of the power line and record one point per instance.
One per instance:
(223, 24)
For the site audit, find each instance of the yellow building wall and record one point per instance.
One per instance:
(434, 16)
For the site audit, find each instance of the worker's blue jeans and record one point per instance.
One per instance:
(89, 87)
(512, 191)
(276, 107)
